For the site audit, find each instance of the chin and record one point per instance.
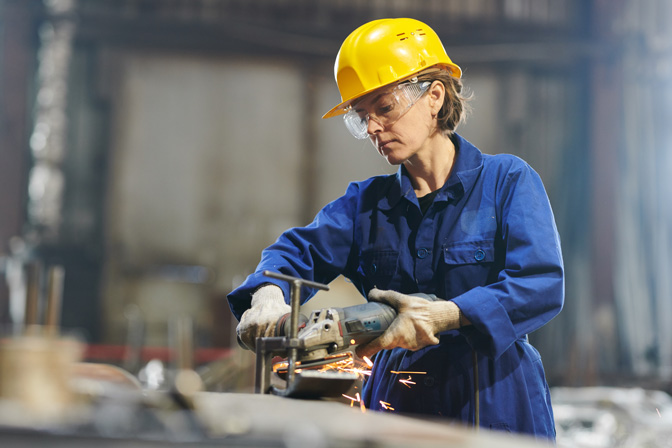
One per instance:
(394, 161)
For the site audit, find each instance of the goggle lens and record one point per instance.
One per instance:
(385, 109)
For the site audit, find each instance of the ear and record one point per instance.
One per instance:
(436, 94)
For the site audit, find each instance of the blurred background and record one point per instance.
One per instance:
(153, 148)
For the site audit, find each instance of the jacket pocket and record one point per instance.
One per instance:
(469, 252)
(468, 264)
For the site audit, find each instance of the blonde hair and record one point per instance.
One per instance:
(455, 103)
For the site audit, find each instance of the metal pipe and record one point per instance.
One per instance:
(184, 344)
(56, 275)
(33, 281)
(477, 399)
(295, 303)
(290, 279)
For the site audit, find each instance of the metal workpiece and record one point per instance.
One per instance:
(268, 420)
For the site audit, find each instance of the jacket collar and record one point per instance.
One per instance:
(468, 165)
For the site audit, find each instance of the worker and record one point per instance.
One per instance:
(475, 230)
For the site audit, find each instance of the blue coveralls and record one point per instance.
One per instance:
(488, 242)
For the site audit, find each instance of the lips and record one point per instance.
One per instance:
(383, 144)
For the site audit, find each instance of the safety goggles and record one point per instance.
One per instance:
(384, 108)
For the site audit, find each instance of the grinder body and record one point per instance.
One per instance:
(332, 330)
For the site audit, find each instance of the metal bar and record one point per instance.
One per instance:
(289, 278)
(477, 398)
(295, 303)
(56, 275)
(33, 274)
(184, 345)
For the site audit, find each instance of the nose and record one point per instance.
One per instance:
(373, 126)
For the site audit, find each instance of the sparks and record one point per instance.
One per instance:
(405, 372)
(407, 381)
(347, 365)
(659, 413)
(386, 405)
(368, 361)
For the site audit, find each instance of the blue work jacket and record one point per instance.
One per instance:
(488, 242)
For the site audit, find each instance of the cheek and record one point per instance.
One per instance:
(412, 137)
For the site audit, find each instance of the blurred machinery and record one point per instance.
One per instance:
(610, 417)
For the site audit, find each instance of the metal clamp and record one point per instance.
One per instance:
(266, 347)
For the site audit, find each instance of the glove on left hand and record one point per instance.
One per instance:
(416, 325)
(268, 305)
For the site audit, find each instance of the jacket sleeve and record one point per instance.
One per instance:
(317, 252)
(529, 290)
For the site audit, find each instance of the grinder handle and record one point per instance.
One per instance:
(361, 324)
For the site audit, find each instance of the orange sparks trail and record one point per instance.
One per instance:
(659, 413)
(356, 399)
(368, 361)
(352, 399)
(386, 405)
(407, 372)
(347, 365)
(361, 403)
(407, 381)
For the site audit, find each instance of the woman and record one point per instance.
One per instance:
(473, 229)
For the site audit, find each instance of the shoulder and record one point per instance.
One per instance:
(506, 162)
(373, 187)
(507, 167)
(364, 192)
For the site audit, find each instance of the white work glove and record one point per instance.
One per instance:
(268, 305)
(417, 323)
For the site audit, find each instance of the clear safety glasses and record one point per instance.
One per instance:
(384, 108)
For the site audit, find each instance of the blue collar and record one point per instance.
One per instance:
(468, 165)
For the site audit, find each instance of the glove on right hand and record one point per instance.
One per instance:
(268, 305)
(417, 323)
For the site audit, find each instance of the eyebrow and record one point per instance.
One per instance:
(373, 101)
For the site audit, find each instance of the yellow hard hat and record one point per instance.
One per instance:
(383, 52)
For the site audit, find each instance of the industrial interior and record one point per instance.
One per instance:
(151, 149)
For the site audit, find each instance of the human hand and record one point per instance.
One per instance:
(268, 305)
(416, 325)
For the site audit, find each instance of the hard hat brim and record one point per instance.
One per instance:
(342, 107)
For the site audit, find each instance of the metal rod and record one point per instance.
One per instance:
(184, 343)
(34, 271)
(289, 278)
(295, 303)
(56, 275)
(477, 404)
